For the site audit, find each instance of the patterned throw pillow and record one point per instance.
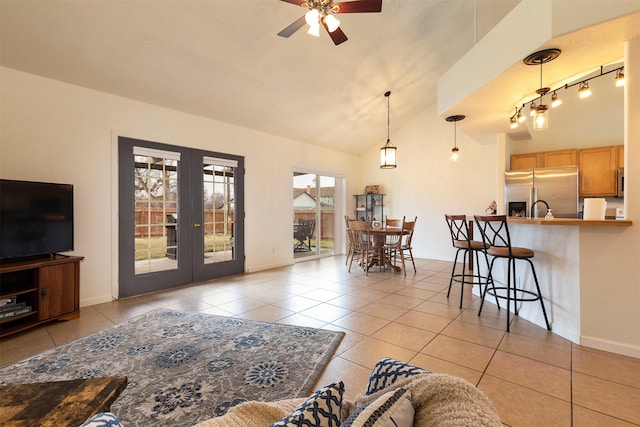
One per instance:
(387, 371)
(102, 419)
(322, 409)
(392, 409)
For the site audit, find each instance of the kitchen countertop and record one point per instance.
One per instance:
(571, 221)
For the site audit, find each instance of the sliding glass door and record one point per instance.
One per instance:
(314, 207)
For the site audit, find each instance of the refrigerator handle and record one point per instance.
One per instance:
(532, 198)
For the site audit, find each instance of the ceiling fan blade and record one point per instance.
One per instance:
(360, 6)
(297, 24)
(337, 35)
(296, 2)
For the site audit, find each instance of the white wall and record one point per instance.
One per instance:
(53, 131)
(427, 184)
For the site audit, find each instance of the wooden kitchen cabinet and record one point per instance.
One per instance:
(559, 158)
(598, 171)
(526, 161)
(620, 156)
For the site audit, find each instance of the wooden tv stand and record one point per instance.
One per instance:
(50, 286)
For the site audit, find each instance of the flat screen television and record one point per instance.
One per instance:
(36, 218)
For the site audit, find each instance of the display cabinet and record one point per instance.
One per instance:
(370, 207)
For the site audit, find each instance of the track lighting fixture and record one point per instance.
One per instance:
(455, 152)
(537, 108)
(388, 151)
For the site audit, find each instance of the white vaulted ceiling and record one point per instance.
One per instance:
(222, 59)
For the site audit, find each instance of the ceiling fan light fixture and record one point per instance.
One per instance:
(332, 23)
(314, 30)
(312, 17)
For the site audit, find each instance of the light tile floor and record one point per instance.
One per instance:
(532, 376)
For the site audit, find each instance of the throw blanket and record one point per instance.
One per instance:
(438, 399)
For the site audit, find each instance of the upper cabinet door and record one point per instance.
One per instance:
(560, 158)
(620, 156)
(526, 161)
(598, 171)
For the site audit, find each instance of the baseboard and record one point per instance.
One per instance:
(611, 346)
(96, 300)
(266, 267)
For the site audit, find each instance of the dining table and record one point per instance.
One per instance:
(379, 237)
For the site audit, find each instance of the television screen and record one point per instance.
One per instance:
(36, 218)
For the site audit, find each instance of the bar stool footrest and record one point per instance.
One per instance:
(533, 296)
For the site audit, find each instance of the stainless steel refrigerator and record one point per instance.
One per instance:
(557, 186)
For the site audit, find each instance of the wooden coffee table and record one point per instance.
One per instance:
(59, 403)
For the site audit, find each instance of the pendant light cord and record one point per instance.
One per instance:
(388, 94)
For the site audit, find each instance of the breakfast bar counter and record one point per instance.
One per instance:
(572, 263)
(571, 221)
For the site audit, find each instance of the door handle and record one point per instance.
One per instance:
(196, 224)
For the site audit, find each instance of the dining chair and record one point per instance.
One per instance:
(403, 248)
(351, 246)
(391, 241)
(495, 234)
(363, 248)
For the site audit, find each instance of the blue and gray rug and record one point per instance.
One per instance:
(184, 368)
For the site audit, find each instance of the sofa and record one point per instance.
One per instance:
(398, 394)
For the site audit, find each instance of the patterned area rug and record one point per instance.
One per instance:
(184, 367)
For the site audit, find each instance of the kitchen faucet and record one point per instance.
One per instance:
(538, 201)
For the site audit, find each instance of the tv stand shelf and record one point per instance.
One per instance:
(49, 286)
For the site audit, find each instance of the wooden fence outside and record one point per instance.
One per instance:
(158, 222)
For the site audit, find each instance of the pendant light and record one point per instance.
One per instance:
(388, 152)
(541, 111)
(455, 155)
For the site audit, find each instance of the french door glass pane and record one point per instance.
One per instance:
(219, 212)
(156, 207)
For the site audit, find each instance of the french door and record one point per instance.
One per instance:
(181, 215)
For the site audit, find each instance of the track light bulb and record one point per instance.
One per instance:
(513, 123)
(620, 78)
(555, 101)
(332, 23)
(584, 90)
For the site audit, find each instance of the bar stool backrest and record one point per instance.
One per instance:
(458, 228)
(494, 230)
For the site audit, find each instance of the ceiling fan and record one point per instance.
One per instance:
(321, 13)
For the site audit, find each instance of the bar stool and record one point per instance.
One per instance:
(462, 241)
(495, 234)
